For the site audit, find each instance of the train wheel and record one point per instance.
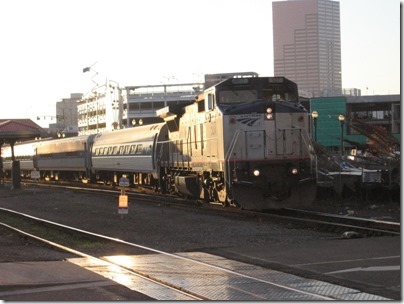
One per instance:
(222, 197)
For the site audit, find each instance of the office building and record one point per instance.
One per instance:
(66, 117)
(307, 45)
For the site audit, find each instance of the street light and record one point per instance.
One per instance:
(341, 119)
(314, 115)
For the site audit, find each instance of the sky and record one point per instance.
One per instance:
(45, 44)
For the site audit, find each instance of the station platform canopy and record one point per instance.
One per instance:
(12, 130)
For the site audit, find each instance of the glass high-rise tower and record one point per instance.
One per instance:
(307, 45)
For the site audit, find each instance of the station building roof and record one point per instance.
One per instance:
(374, 99)
(19, 129)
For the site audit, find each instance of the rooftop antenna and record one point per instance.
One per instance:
(90, 68)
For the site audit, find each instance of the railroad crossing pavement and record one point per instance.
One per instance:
(372, 264)
(216, 278)
(55, 281)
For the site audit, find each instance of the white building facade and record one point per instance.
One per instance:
(103, 109)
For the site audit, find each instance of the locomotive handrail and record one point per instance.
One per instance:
(227, 156)
(159, 154)
(313, 156)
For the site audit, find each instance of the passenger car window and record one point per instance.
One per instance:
(139, 149)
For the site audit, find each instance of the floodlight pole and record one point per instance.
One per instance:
(341, 119)
(314, 115)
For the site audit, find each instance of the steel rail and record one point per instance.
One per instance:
(179, 288)
(366, 226)
(356, 223)
(85, 255)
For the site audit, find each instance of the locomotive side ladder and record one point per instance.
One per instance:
(227, 157)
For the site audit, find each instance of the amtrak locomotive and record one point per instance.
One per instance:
(243, 142)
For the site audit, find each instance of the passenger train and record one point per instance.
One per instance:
(243, 142)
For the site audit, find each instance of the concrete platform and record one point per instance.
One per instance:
(59, 281)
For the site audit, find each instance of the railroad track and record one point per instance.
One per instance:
(348, 226)
(196, 266)
(353, 226)
(82, 243)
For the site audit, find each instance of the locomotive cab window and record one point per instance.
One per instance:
(210, 102)
(278, 94)
(237, 96)
(201, 106)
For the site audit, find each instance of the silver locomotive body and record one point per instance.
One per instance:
(244, 142)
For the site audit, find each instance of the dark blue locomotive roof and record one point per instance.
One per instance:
(260, 106)
(251, 95)
(256, 94)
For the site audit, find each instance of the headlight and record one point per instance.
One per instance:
(294, 171)
(269, 115)
(256, 172)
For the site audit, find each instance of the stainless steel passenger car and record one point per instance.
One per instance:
(67, 158)
(24, 153)
(131, 152)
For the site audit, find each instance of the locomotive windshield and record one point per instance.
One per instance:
(247, 90)
(237, 96)
(274, 94)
